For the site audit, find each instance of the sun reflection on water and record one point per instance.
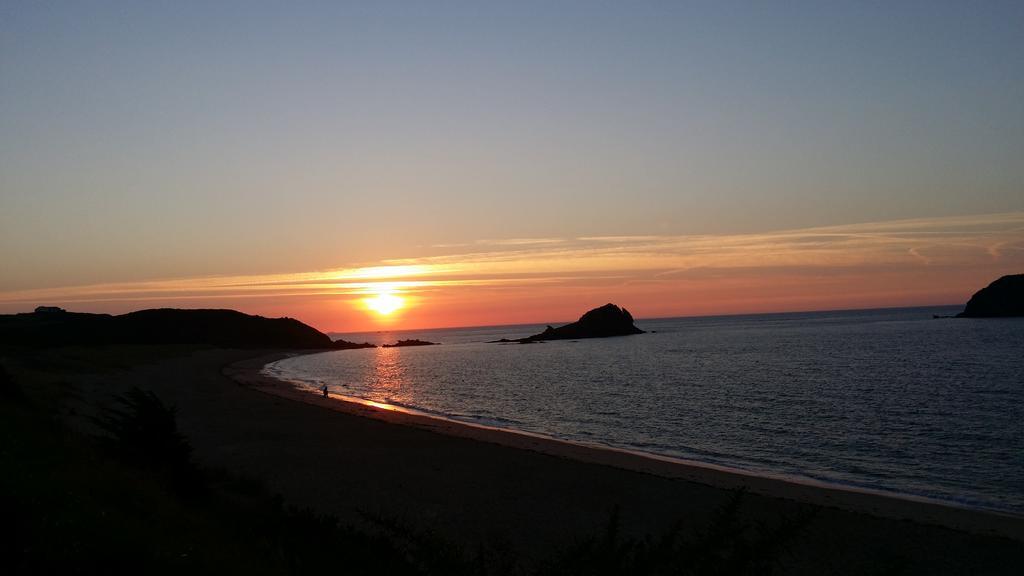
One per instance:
(388, 376)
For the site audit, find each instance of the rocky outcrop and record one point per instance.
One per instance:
(346, 345)
(608, 320)
(413, 342)
(1002, 298)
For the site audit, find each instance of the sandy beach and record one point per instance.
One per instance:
(525, 493)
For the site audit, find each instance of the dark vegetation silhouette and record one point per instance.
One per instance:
(603, 322)
(725, 545)
(143, 432)
(1002, 298)
(9, 390)
(219, 328)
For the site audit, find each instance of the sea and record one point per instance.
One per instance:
(888, 400)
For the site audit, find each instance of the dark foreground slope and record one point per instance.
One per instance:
(1004, 297)
(220, 328)
(608, 320)
(384, 497)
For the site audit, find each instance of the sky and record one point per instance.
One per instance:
(508, 162)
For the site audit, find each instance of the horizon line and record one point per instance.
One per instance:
(645, 318)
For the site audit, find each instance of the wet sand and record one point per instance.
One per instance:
(527, 494)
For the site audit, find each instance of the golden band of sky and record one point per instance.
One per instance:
(903, 262)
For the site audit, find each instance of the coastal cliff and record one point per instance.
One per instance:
(1002, 298)
(602, 322)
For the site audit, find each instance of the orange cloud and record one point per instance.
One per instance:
(905, 262)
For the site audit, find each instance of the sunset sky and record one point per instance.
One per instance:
(491, 163)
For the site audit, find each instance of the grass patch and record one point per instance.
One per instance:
(727, 545)
(96, 359)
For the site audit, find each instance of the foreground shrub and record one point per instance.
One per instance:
(143, 431)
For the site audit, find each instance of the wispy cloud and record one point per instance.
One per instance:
(519, 241)
(951, 242)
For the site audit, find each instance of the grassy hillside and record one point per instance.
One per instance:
(219, 328)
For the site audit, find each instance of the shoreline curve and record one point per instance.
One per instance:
(248, 373)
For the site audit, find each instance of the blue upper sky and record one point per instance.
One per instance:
(157, 139)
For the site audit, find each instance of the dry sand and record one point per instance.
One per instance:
(526, 493)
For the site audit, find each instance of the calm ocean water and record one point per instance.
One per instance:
(890, 400)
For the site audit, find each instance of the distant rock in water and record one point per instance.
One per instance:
(413, 342)
(1002, 298)
(219, 328)
(608, 320)
(346, 345)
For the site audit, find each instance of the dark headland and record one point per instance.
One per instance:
(608, 320)
(1000, 299)
(50, 327)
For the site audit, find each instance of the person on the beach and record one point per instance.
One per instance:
(324, 390)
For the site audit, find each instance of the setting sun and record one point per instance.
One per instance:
(384, 303)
